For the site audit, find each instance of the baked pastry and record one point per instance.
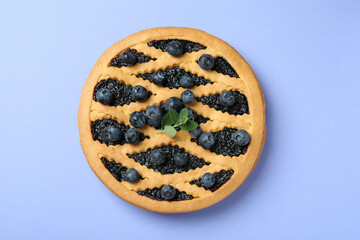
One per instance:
(138, 145)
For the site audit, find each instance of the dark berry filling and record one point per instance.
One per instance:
(156, 195)
(222, 66)
(221, 178)
(169, 166)
(173, 76)
(239, 108)
(187, 45)
(224, 144)
(116, 169)
(201, 119)
(140, 57)
(120, 91)
(99, 131)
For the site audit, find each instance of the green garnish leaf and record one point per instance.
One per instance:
(170, 130)
(172, 119)
(189, 125)
(166, 120)
(183, 116)
(173, 115)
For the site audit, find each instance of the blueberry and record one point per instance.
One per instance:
(127, 58)
(175, 48)
(104, 96)
(132, 136)
(227, 99)
(180, 159)
(241, 137)
(154, 114)
(207, 140)
(168, 192)
(157, 157)
(159, 78)
(113, 133)
(137, 119)
(173, 102)
(131, 175)
(206, 62)
(208, 180)
(191, 114)
(186, 82)
(187, 96)
(196, 132)
(139, 93)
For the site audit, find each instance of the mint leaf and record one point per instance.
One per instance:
(189, 125)
(171, 120)
(170, 130)
(166, 120)
(173, 115)
(183, 115)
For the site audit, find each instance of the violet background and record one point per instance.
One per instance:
(306, 55)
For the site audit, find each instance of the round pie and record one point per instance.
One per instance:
(172, 119)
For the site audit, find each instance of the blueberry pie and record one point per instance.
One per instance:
(172, 119)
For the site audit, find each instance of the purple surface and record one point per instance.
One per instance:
(306, 56)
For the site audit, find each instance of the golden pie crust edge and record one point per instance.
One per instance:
(256, 108)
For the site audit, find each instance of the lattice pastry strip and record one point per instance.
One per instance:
(100, 111)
